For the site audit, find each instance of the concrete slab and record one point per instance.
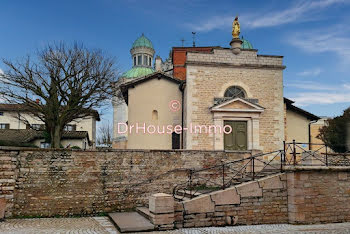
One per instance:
(131, 222)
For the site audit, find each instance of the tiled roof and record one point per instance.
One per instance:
(21, 107)
(28, 135)
(290, 106)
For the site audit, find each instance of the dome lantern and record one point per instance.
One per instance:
(142, 53)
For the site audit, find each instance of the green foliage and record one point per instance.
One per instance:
(47, 136)
(335, 134)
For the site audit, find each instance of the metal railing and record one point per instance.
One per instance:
(227, 174)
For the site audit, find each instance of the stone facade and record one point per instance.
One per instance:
(65, 182)
(208, 75)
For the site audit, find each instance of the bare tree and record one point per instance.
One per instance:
(68, 82)
(105, 135)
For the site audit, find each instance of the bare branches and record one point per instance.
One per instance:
(105, 135)
(69, 81)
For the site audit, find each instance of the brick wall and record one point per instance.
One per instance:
(47, 183)
(319, 196)
(179, 59)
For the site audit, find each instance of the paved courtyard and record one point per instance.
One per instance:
(103, 225)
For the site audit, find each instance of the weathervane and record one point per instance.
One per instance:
(194, 38)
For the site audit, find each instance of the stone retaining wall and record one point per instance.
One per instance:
(301, 195)
(319, 195)
(63, 182)
(258, 202)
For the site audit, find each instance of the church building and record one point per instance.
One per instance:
(204, 98)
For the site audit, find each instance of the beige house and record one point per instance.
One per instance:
(219, 98)
(300, 126)
(14, 117)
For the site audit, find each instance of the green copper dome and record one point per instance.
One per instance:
(142, 42)
(136, 72)
(246, 44)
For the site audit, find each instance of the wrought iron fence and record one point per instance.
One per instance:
(224, 175)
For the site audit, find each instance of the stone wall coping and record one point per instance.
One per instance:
(316, 168)
(256, 66)
(9, 148)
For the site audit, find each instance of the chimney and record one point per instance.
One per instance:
(158, 63)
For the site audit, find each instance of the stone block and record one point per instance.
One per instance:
(161, 203)
(2, 208)
(202, 204)
(162, 219)
(342, 176)
(226, 197)
(251, 189)
(273, 182)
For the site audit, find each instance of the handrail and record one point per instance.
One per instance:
(256, 166)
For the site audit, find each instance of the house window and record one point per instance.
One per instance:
(45, 145)
(150, 61)
(134, 60)
(139, 60)
(4, 126)
(38, 126)
(1, 113)
(70, 127)
(235, 92)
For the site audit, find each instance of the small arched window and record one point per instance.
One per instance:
(154, 115)
(235, 91)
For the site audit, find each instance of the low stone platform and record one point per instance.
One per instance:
(131, 222)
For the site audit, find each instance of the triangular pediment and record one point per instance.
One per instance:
(239, 105)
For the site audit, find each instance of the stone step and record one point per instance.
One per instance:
(131, 222)
(144, 211)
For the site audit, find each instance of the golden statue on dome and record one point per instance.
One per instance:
(236, 29)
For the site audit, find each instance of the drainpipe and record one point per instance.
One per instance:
(182, 88)
(311, 122)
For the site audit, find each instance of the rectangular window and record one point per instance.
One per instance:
(1, 113)
(139, 60)
(4, 126)
(145, 60)
(150, 61)
(70, 127)
(38, 126)
(45, 145)
(135, 61)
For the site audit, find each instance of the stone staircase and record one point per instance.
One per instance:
(157, 215)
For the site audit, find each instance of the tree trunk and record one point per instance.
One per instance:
(56, 137)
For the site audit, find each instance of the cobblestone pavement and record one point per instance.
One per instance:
(58, 225)
(103, 225)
